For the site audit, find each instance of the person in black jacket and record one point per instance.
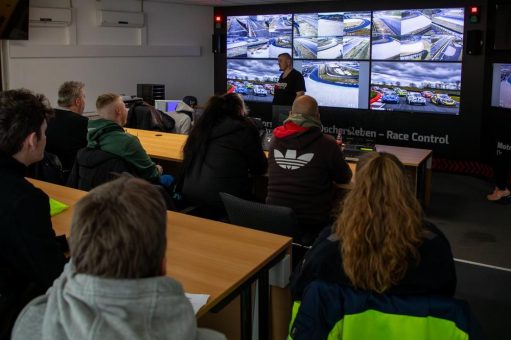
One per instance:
(30, 257)
(67, 131)
(222, 151)
(303, 164)
(380, 242)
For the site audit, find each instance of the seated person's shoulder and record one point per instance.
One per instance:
(30, 320)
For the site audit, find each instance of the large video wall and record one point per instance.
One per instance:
(393, 60)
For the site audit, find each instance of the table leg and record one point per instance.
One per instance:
(264, 304)
(246, 313)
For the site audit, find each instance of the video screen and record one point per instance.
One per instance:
(336, 83)
(331, 36)
(259, 36)
(416, 87)
(253, 79)
(501, 86)
(419, 34)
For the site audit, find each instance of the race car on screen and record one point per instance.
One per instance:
(401, 92)
(390, 97)
(415, 98)
(259, 90)
(442, 99)
(427, 94)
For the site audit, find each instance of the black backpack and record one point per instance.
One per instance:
(145, 117)
(49, 169)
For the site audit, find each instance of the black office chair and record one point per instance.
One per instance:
(94, 167)
(270, 218)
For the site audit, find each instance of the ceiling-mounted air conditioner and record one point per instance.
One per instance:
(40, 16)
(120, 19)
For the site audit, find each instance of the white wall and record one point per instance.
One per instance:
(174, 48)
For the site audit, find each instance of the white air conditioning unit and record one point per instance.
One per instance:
(40, 16)
(120, 19)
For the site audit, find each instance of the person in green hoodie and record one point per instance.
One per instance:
(107, 134)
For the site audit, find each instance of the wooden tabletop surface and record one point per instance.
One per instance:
(169, 146)
(207, 257)
(161, 145)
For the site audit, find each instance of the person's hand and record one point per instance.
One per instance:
(160, 169)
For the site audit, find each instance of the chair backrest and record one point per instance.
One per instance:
(331, 311)
(255, 215)
(94, 167)
(49, 169)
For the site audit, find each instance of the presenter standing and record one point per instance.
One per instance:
(290, 86)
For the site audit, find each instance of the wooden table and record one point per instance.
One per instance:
(418, 165)
(207, 257)
(169, 146)
(161, 145)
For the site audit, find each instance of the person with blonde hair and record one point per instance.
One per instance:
(115, 286)
(107, 134)
(380, 241)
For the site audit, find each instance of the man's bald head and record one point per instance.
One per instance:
(305, 105)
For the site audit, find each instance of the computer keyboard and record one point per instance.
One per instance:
(353, 155)
(353, 152)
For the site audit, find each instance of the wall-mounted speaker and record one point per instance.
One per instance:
(474, 44)
(219, 43)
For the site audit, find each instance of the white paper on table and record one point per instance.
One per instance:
(197, 300)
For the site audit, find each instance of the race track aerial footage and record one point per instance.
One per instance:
(334, 83)
(418, 87)
(422, 34)
(505, 86)
(261, 36)
(332, 36)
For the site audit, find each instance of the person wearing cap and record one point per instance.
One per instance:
(182, 118)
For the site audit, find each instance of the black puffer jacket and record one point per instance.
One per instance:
(94, 167)
(233, 153)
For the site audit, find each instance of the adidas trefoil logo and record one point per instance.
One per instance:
(290, 161)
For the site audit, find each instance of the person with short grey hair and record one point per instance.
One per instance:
(115, 286)
(67, 131)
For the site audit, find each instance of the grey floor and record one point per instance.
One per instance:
(478, 230)
(480, 235)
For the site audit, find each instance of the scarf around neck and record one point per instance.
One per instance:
(306, 121)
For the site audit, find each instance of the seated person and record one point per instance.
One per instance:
(192, 102)
(501, 174)
(303, 165)
(222, 151)
(30, 257)
(67, 131)
(107, 134)
(380, 242)
(115, 285)
(181, 116)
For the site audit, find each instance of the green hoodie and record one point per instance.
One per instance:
(110, 137)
